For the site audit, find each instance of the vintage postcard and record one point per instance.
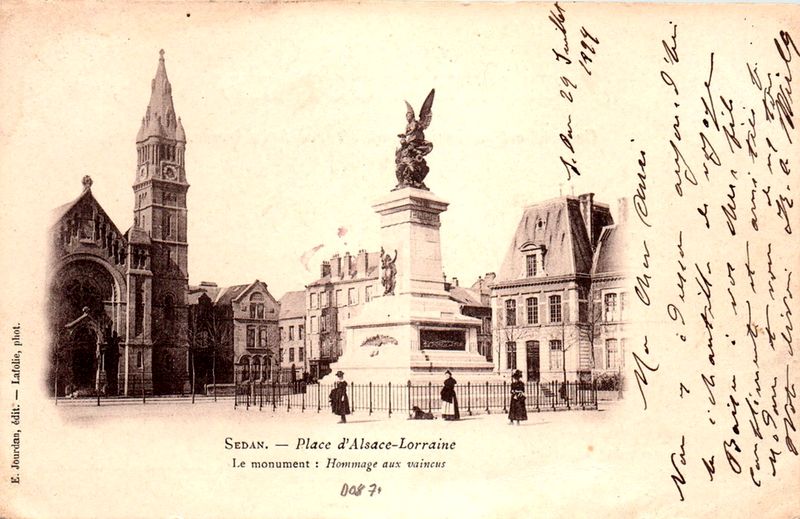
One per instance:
(418, 259)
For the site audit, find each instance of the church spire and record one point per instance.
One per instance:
(159, 119)
(161, 139)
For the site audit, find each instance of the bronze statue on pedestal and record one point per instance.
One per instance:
(409, 158)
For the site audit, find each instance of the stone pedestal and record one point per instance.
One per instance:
(418, 332)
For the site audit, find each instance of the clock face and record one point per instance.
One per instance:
(143, 172)
(169, 173)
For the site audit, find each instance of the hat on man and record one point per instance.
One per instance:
(517, 374)
(340, 373)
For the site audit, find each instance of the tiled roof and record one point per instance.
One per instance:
(193, 296)
(610, 255)
(321, 281)
(86, 196)
(63, 209)
(558, 226)
(228, 294)
(293, 304)
(137, 235)
(466, 296)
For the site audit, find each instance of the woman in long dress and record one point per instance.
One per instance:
(449, 399)
(340, 404)
(517, 411)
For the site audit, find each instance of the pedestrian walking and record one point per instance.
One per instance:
(449, 399)
(517, 411)
(340, 404)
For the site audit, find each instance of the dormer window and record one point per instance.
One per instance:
(534, 259)
(531, 262)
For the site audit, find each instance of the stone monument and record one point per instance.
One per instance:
(413, 331)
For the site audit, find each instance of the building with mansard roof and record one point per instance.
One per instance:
(610, 321)
(564, 262)
(132, 285)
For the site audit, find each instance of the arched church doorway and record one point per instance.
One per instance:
(76, 367)
(81, 367)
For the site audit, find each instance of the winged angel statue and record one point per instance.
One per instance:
(409, 158)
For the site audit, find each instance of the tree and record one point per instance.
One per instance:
(506, 331)
(196, 336)
(593, 325)
(219, 330)
(594, 329)
(513, 329)
(564, 347)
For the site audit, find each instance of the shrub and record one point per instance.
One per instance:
(608, 382)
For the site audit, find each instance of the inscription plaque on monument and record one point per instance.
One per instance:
(442, 340)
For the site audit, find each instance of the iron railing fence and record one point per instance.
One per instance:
(478, 398)
(140, 386)
(370, 398)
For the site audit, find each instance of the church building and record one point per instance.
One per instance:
(117, 305)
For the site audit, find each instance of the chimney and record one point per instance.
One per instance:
(478, 285)
(347, 267)
(622, 211)
(455, 282)
(336, 266)
(325, 269)
(587, 208)
(361, 263)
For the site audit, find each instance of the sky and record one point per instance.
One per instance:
(292, 114)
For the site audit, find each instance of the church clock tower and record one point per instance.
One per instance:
(160, 214)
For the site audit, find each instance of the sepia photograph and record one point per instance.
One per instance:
(431, 259)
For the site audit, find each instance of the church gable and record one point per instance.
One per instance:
(83, 227)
